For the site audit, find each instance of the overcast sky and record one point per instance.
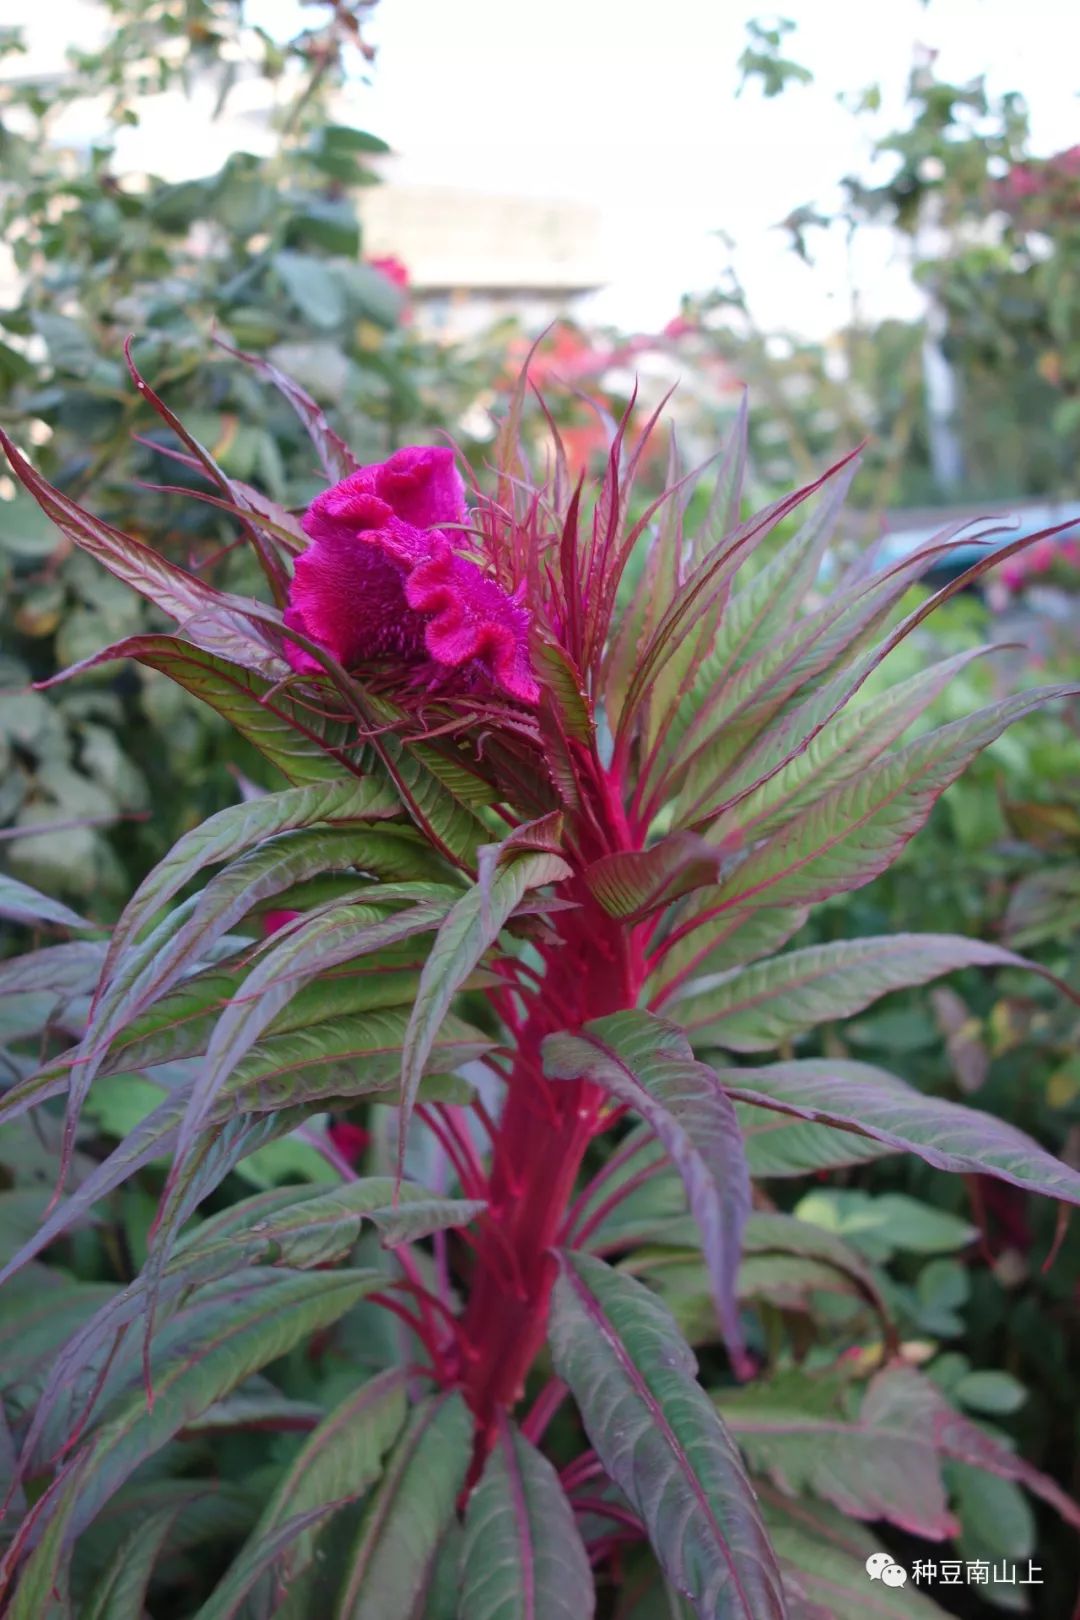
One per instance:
(632, 106)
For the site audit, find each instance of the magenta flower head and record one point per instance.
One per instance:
(386, 576)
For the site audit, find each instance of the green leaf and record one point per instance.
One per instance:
(311, 1226)
(857, 829)
(523, 1558)
(354, 1057)
(121, 1592)
(778, 1145)
(698, 943)
(344, 138)
(305, 746)
(882, 1225)
(409, 1513)
(857, 1097)
(956, 1437)
(341, 935)
(67, 970)
(239, 828)
(754, 1008)
(232, 1594)
(660, 1440)
(20, 903)
(234, 1334)
(795, 1430)
(648, 1064)
(184, 936)
(741, 708)
(469, 929)
(338, 1462)
(150, 1139)
(822, 742)
(314, 289)
(770, 1234)
(824, 1556)
(988, 1390)
(632, 883)
(750, 613)
(184, 597)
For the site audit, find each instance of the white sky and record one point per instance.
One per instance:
(631, 106)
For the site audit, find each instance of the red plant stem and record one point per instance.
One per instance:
(328, 1151)
(429, 1302)
(457, 1120)
(544, 1131)
(545, 1406)
(603, 1210)
(450, 1146)
(622, 1155)
(587, 1466)
(486, 1120)
(600, 1552)
(609, 1510)
(415, 1324)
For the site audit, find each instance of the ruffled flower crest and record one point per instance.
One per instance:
(384, 577)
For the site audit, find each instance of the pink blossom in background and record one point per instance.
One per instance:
(398, 274)
(273, 920)
(393, 269)
(349, 1140)
(383, 577)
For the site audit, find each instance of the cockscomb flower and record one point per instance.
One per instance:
(385, 576)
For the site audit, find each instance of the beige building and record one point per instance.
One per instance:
(473, 258)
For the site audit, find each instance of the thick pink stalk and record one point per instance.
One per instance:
(546, 1126)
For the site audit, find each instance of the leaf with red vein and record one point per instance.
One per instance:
(648, 1064)
(661, 1441)
(522, 1557)
(857, 1097)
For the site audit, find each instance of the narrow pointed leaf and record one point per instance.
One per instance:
(820, 743)
(182, 596)
(857, 829)
(352, 1058)
(469, 929)
(755, 1008)
(700, 943)
(768, 599)
(779, 1145)
(241, 826)
(660, 1441)
(271, 1550)
(649, 1065)
(336, 458)
(522, 1558)
(239, 1336)
(20, 903)
(340, 936)
(722, 727)
(67, 970)
(857, 1097)
(409, 1513)
(338, 1462)
(120, 1593)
